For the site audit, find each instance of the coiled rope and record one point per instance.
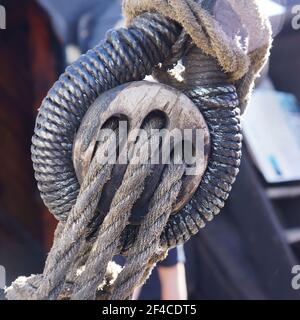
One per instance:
(78, 266)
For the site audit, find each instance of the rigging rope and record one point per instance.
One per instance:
(79, 265)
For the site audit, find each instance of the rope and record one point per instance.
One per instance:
(115, 222)
(137, 268)
(69, 239)
(241, 50)
(108, 65)
(79, 266)
(154, 39)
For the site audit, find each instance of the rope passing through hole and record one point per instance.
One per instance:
(79, 264)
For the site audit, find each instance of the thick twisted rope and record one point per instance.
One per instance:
(108, 65)
(138, 265)
(241, 51)
(107, 243)
(126, 55)
(70, 236)
(52, 283)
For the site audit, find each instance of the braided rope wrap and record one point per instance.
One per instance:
(126, 55)
(110, 64)
(218, 102)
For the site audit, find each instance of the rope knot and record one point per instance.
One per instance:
(225, 29)
(98, 202)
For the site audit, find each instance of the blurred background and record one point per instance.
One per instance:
(249, 251)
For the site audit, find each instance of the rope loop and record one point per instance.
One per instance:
(79, 265)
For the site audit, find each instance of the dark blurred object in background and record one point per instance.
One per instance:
(285, 61)
(30, 61)
(247, 252)
(83, 23)
(243, 254)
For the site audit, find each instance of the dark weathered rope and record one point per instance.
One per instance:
(127, 55)
(70, 238)
(106, 244)
(217, 99)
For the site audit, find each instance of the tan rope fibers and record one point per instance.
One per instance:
(70, 239)
(242, 57)
(242, 61)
